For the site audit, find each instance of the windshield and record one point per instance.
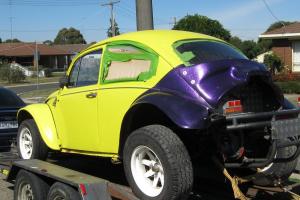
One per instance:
(195, 52)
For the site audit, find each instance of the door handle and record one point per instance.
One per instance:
(91, 95)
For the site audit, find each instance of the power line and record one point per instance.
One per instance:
(272, 13)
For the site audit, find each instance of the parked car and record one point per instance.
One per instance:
(161, 100)
(10, 103)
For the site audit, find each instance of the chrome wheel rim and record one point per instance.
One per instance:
(147, 171)
(25, 143)
(25, 192)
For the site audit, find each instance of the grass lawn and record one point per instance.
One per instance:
(36, 96)
(32, 80)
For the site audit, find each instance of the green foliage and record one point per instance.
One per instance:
(273, 63)
(249, 47)
(290, 87)
(48, 42)
(0, 40)
(109, 30)
(264, 45)
(15, 40)
(11, 75)
(278, 24)
(69, 36)
(202, 24)
(48, 72)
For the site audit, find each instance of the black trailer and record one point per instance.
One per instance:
(41, 179)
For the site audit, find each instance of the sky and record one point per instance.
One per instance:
(40, 20)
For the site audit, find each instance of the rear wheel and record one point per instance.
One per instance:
(157, 164)
(30, 186)
(62, 191)
(29, 142)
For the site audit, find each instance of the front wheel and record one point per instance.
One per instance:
(157, 164)
(30, 145)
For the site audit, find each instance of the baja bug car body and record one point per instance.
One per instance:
(158, 100)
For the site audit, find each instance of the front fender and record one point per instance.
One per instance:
(43, 118)
(184, 112)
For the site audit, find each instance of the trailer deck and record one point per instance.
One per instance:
(81, 171)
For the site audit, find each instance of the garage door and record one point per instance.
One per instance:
(296, 57)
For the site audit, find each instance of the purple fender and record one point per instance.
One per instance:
(188, 95)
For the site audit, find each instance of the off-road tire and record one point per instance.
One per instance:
(172, 153)
(38, 186)
(62, 191)
(39, 148)
(277, 172)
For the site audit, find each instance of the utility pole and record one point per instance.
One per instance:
(112, 17)
(36, 59)
(144, 15)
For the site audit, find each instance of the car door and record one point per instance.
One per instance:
(76, 107)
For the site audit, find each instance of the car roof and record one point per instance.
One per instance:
(160, 41)
(8, 99)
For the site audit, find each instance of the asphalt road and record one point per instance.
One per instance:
(30, 87)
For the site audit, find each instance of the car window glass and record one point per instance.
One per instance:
(128, 63)
(74, 74)
(196, 52)
(89, 69)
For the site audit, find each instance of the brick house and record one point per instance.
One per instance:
(286, 45)
(55, 57)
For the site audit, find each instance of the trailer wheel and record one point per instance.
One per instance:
(277, 172)
(29, 142)
(62, 191)
(157, 164)
(30, 186)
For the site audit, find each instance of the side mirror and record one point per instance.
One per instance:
(63, 81)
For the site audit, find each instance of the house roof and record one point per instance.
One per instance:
(289, 31)
(71, 48)
(28, 49)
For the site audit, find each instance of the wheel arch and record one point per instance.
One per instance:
(43, 118)
(165, 108)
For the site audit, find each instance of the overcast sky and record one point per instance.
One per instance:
(41, 19)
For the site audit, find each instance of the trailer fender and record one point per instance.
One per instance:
(43, 118)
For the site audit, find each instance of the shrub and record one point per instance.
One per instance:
(291, 87)
(47, 72)
(273, 63)
(11, 75)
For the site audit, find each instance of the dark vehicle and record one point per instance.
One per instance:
(10, 103)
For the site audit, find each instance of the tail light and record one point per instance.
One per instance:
(299, 101)
(234, 106)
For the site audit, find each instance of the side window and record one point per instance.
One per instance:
(128, 63)
(74, 74)
(86, 70)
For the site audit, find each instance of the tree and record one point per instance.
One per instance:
(69, 36)
(273, 62)
(278, 24)
(48, 42)
(202, 24)
(15, 40)
(109, 30)
(0, 40)
(250, 48)
(237, 42)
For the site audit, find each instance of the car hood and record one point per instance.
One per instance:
(211, 81)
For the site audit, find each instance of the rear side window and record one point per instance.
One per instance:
(196, 52)
(128, 63)
(86, 70)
